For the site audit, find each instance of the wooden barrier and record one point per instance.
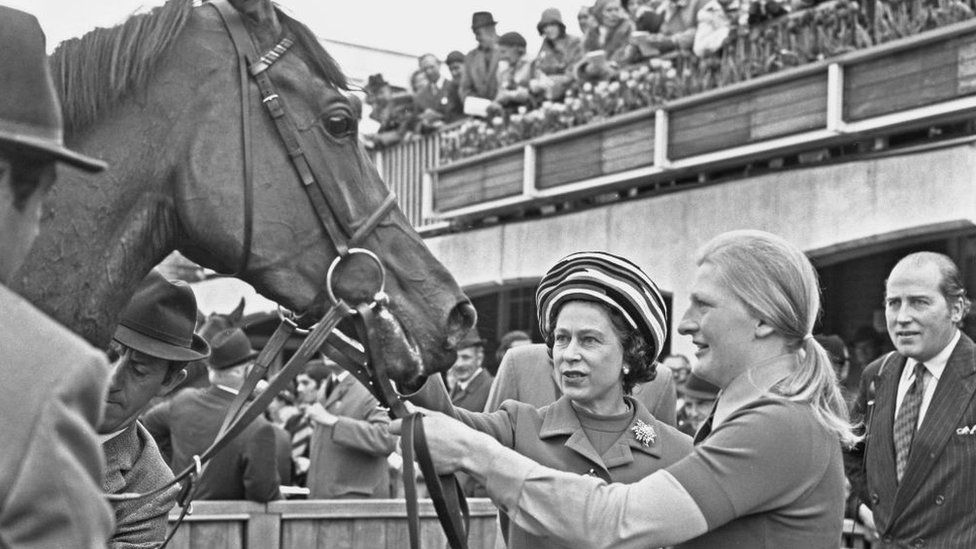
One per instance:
(348, 524)
(336, 524)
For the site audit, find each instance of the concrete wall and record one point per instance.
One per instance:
(815, 208)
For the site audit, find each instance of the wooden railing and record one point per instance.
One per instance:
(914, 81)
(347, 524)
(336, 524)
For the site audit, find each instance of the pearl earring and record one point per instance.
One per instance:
(626, 370)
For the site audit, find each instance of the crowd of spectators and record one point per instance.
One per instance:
(623, 55)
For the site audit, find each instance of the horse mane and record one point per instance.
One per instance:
(319, 60)
(97, 70)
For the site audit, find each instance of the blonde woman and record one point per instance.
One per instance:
(766, 470)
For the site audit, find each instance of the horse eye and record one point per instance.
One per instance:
(339, 126)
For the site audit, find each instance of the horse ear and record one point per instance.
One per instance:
(237, 315)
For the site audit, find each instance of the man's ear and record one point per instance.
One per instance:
(955, 310)
(174, 382)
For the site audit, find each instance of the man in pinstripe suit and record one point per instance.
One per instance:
(916, 469)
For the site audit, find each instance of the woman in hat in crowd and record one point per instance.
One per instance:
(604, 321)
(553, 68)
(766, 470)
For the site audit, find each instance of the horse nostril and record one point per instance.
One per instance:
(461, 319)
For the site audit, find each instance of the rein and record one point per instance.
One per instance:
(323, 336)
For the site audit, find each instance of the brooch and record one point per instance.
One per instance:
(644, 433)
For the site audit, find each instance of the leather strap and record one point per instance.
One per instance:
(242, 64)
(450, 504)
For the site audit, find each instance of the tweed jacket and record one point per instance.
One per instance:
(474, 397)
(553, 436)
(51, 462)
(246, 468)
(933, 505)
(133, 464)
(526, 374)
(349, 458)
(480, 76)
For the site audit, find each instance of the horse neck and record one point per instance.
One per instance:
(92, 251)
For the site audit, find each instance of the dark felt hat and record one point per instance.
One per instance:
(482, 19)
(230, 348)
(512, 40)
(697, 388)
(30, 113)
(455, 57)
(159, 321)
(318, 370)
(375, 82)
(550, 16)
(471, 339)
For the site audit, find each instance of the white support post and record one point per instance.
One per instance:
(835, 98)
(427, 197)
(528, 171)
(378, 160)
(661, 139)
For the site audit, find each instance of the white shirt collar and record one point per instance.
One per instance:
(462, 385)
(109, 436)
(936, 365)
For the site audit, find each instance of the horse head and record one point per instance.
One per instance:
(160, 98)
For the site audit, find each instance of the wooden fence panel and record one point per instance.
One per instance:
(573, 159)
(628, 146)
(911, 78)
(710, 126)
(472, 183)
(751, 116)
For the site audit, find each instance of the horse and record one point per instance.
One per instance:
(159, 97)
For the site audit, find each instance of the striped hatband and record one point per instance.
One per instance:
(609, 279)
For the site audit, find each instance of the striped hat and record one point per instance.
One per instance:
(608, 279)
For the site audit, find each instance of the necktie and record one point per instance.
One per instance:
(330, 385)
(456, 391)
(907, 419)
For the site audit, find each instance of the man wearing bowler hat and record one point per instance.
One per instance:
(481, 64)
(150, 349)
(247, 467)
(53, 381)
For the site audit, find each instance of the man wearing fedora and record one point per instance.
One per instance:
(53, 382)
(480, 77)
(471, 381)
(150, 349)
(247, 467)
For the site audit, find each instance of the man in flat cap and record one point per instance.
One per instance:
(481, 64)
(247, 467)
(150, 350)
(53, 381)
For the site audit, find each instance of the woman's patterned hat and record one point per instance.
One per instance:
(609, 279)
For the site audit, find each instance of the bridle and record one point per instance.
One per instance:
(368, 307)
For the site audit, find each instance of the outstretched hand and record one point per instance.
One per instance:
(452, 444)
